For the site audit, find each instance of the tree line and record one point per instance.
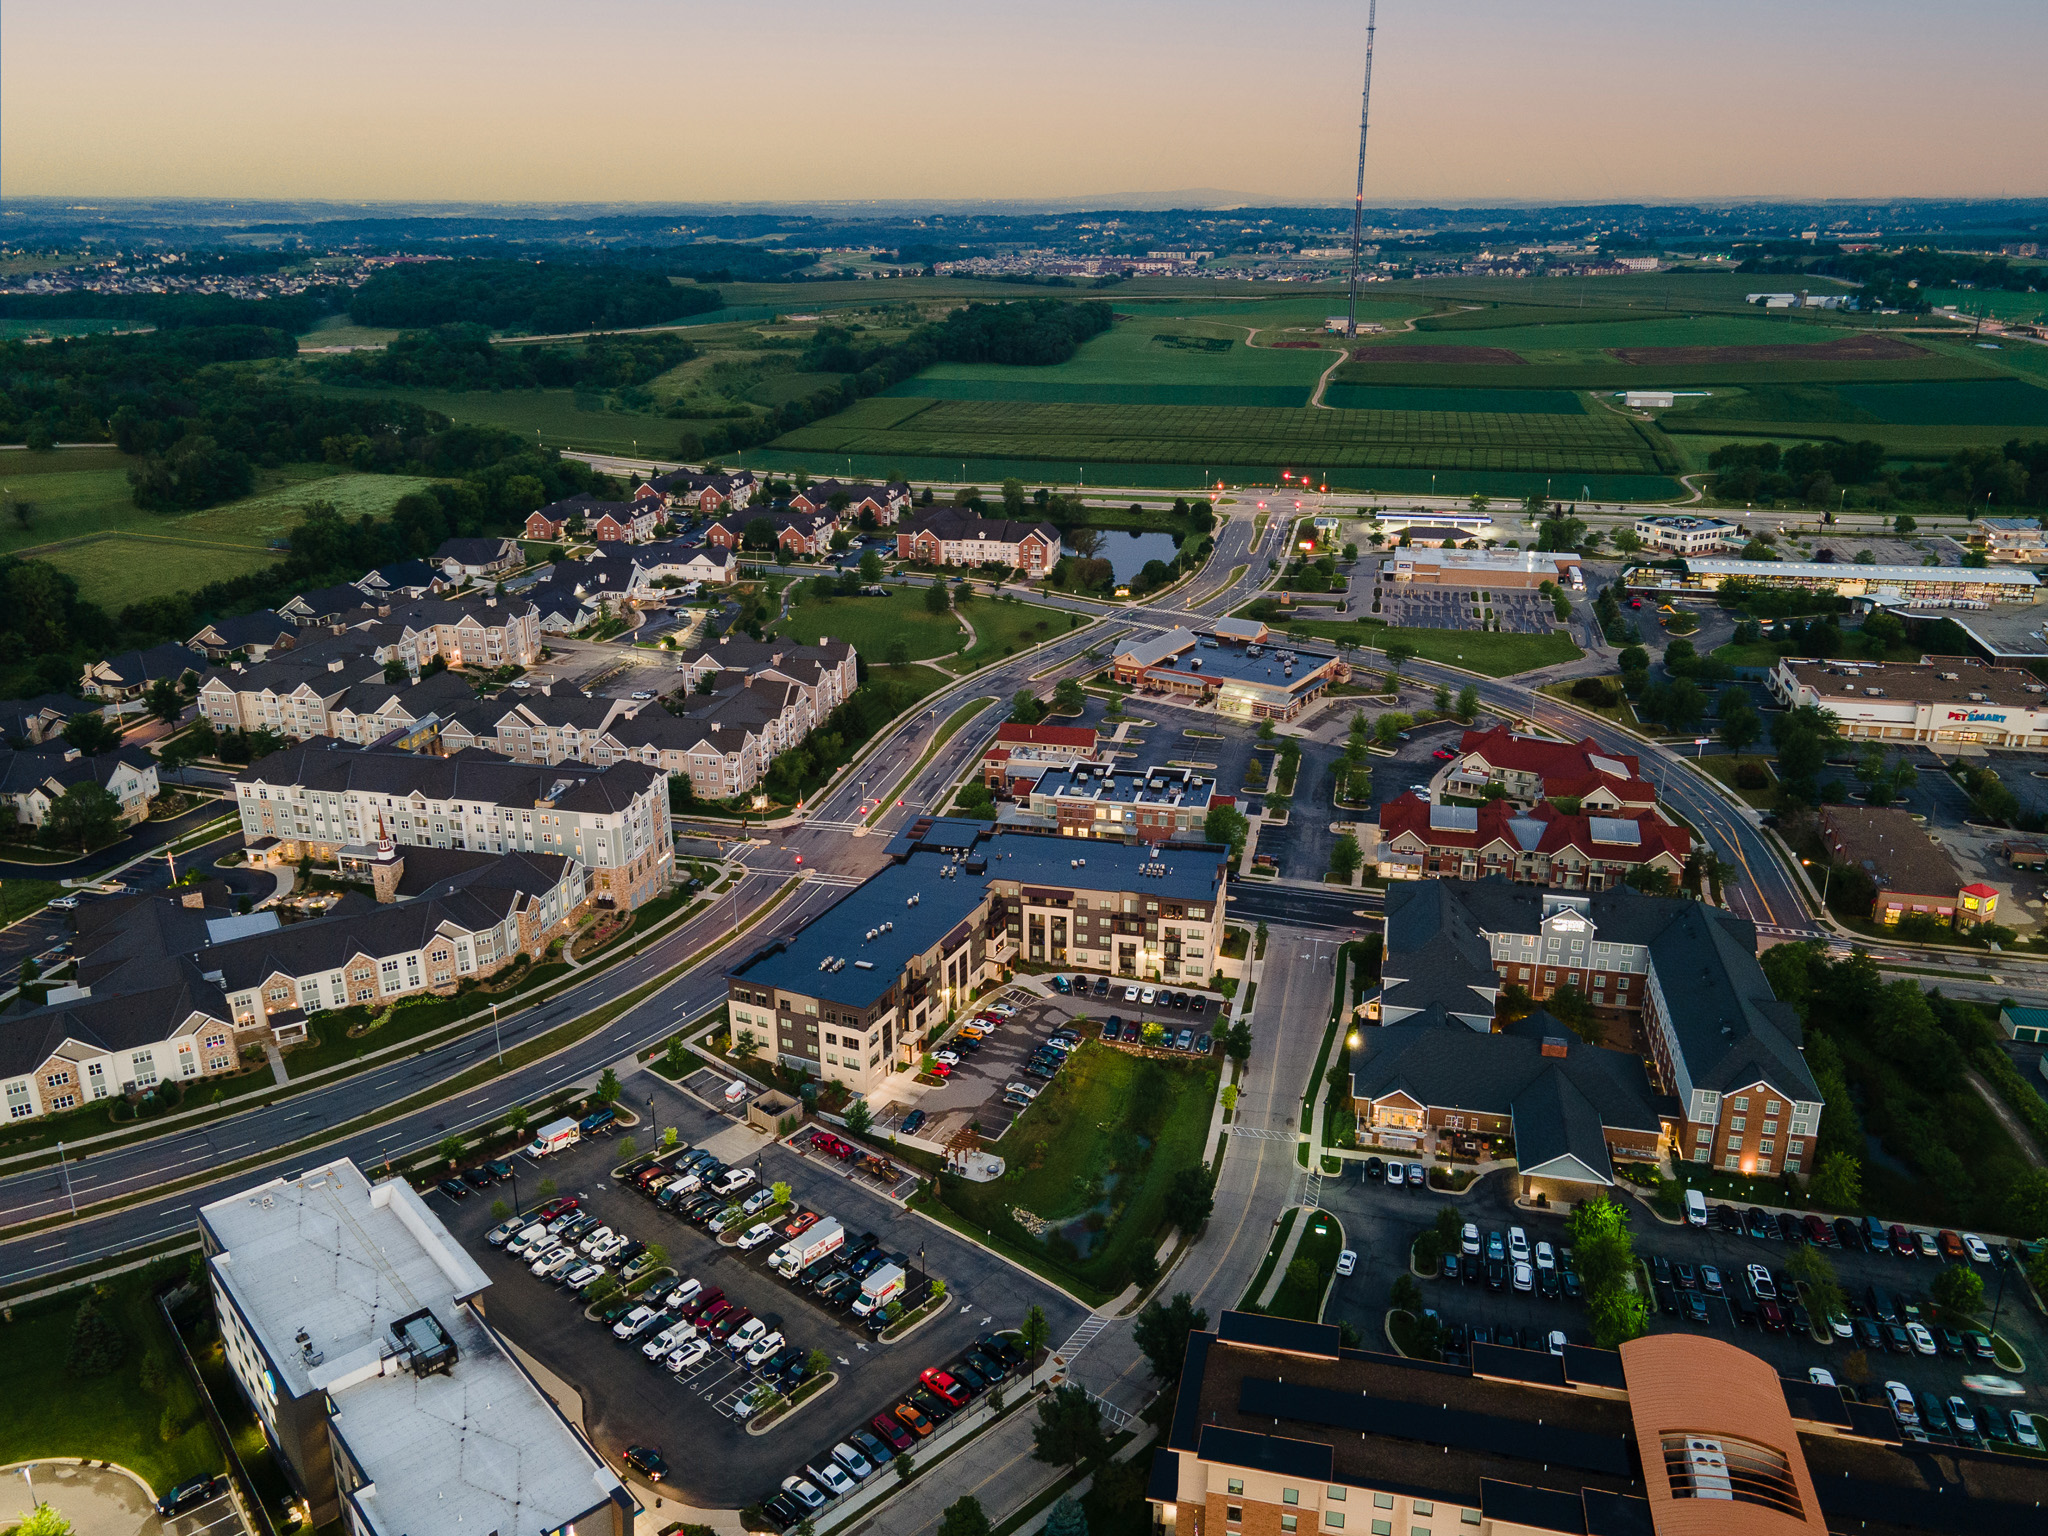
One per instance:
(531, 296)
(1816, 473)
(461, 355)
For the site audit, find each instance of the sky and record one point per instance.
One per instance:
(673, 100)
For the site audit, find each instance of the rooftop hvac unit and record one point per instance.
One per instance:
(1950, 677)
(863, 965)
(1977, 698)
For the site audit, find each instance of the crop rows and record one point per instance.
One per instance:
(1619, 375)
(1221, 435)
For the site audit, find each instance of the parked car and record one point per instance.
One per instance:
(894, 1431)
(194, 1491)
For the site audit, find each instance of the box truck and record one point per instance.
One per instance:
(555, 1136)
(801, 1252)
(881, 1287)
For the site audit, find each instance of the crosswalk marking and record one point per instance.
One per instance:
(1082, 1336)
(1256, 1133)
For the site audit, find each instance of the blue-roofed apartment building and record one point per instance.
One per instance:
(862, 985)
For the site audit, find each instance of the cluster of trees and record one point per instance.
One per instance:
(1894, 1061)
(1802, 737)
(2015, 475)
(461, 355)
(1904, 280)
(531, 296)
(178, 311)
(1618, 629)
(1812, 472)
(1606, 1259)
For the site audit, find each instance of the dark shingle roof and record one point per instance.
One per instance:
(472, 774)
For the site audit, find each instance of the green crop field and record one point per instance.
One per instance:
(1603, 444)
(1995, 303)
(1572, 341)
(1984, 402)
(1614, 374)
(549, 416)
(1515, 402)
(1494, 317)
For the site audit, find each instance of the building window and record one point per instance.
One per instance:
(1235, 1485)
(1334, 1495)
(1383, 1528)
(1290, 1522)
(1334, 1519)
(1424, 1506)
(1290, 1495)
(1383, 1501)
(19, 1105)
(1234, 1513)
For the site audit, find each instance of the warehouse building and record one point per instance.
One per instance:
(1941, 702)
(1934, 586)
(353, 1322)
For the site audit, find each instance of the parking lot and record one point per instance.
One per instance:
(1430, 607)
(692, 1417)
(1380, 1223)
(974, 1092)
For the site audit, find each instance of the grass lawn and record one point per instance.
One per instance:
(20, 897)
(1095, 1156)
(1003, 628)
(117, 569)
(1320, 1244)
(1621, 713)
(873, 624)
(1493, 653)
(1722, 767)
(46, 1412)
(550, 417)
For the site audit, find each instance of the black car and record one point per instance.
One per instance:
(1481, 1333)
(1204, 1045)
(912, 1121)
(1896, 1339)
(931, 1405)
(1759, 1222)
(782, 1360)
(1667, 1300)
(1573, 1289)
(190, 1493)
(1196, 1005)
(1790, 1228)
(1448, 1267)
(1375, 1169)
(1688, 1277)
(1032, 1068)
(1102, 986)
(782, 1511)
(478, 1178)
(1455, 1338)
(1496, 1274)
(996, 1347)
(1180, 1002)
(973, 1380)
(454, 1189)
(646, 1460)
(992, 1367)
(1547, 1284)
(1869, 1337)
(1660, 1269)
(1727, 1218)
(1849, 1234)
(1506, 1337)
(1696, 1309)
(1743, 1308)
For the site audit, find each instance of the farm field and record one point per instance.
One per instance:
(551, 416)
(1534, 338)
(1513, 402)
(1603, 444)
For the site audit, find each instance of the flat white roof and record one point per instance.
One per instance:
(333, 1256)
(1956, 574)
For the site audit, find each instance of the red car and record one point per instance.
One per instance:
(825, 1141)
(713, 1314)
(729, 1324)
(946, 1387)
(1635, 602)
(704, 1302)
(1443, 754)
(802, 1221)
(940, 1069)
(891, 1429)
(555, 1208)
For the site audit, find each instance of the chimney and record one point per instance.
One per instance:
(1554, 1045)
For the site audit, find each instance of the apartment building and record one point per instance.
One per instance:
(174, 985)
(1720, 1043)
(354, 1325)
(884, 503)
(252, 636)
(31, 722)
(478, 559)
(704, 493)
(1543, 845)
(801, 533)
(1688, 535)
(478, 631)
(955, 536)
(33, 780)
(125, 678)
(860, 987)
(403, 579)
(1245, 680)
(1939, 701)
(1927, 586)
(318, 799)
(646, 573)
(1532, 769)
(1102, 800)
(1278, 1428)
(2011, 540)
(828, 672)
(333, 688)
(603, 522)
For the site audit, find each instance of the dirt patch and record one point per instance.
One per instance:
(1866, 347)
(1485, 356)
(1306, 346)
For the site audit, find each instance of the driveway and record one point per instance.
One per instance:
(715, 1463)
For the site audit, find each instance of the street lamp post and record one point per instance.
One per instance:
(655, 1119)
(496, 1034)
(1827, 875)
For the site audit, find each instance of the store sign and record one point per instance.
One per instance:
(1974, 716)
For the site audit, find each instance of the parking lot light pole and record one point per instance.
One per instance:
(656, 1119)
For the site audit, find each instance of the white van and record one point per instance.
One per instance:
(1695, 1208)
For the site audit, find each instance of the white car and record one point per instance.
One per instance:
(1923, 1341)
(1396, 1174)
(755, 1236)
(1518, 1244)
(64, 903)
(505, 1231)
(1556, 1341)
(833, 1476)
(1130, 993)
(1761, 1285)
(950, 1058)
(1147, 996)
(553, 1261)
(1995, 1386)
(611, 1247)
(1347, 1261)
(1468, 1240)
(1525, 1277)
(1979, 1249)
(596, 1240)
(744, 1336)
(580, 1276)
(1006, 1010)
(765, 1346)
(1546, 1257)
(690, 1354)
(803, 1493)
(856, 1465)
(1820, 1376)
(643, 694)
(2023, 1429)
(684, 1294)
(1026, 1089)
(735, 1180)
(759, 1200)
(1901, 1399)
(634, 1323)
(669, 1340)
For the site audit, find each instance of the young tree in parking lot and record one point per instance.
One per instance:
(1959, 1291)
(1441, 701)
(1468, 703)
(608, 1089)
(817, 1362)
(1152, 1034)
(675, 1061)
(858, 1116)
(1036, 1333)
(500, 1210)
(1067, 697)
(450, 1150)
(1404, 1294)
(515, 1119)
(1816, 1277)
(1450, 1223)
(1838, 1182)
(779, 1192)
(1345, 857)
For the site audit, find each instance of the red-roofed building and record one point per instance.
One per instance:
(1058, 741)
(1012, 763)
(1542, 846)
(1533, 769)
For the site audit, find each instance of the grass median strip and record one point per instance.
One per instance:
(564, 1034)
(954, 721)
